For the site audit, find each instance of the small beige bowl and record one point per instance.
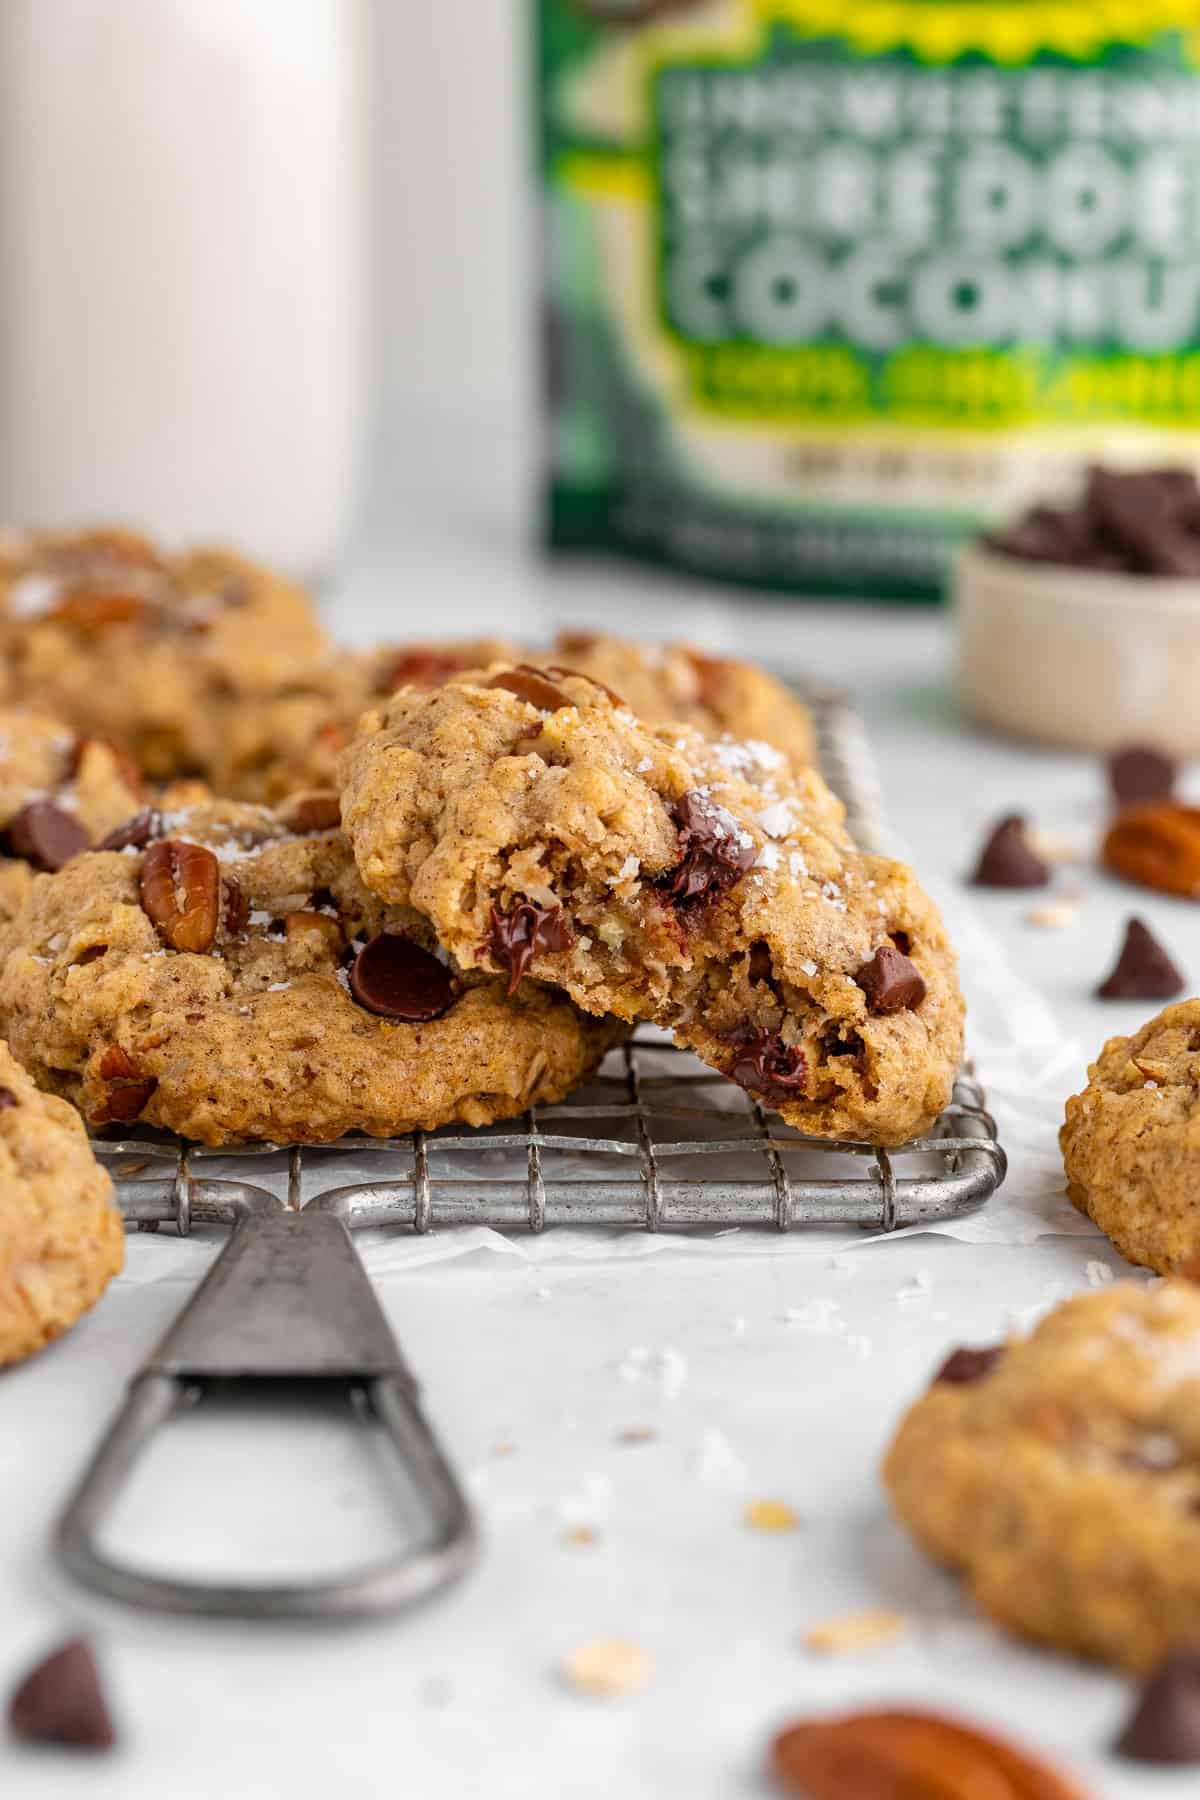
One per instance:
(1083, 657)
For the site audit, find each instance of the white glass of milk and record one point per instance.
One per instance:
(182, 292)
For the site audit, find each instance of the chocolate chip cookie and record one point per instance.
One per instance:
(1060, 1473)
(1131, 1141)
(124, 641)
(223, 973)
(675, 683)
(544, 830)
(61, 1237)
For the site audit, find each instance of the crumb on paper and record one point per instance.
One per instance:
(637, 1434)
(771, 1515)
(1052, 846)
(847, 1633)
(1054, 915)
(608, 1668)
(1098, 1274)
(502, 1450)
(580, 1537)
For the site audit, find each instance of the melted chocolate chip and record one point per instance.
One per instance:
(46, 836)
(764, 1064)
(61, 1702)
(1008, 861)
(7, 1099)
(714, 850)
(396, 979)
(1142, 971)
(965, 1366)
(890, 981)
(531, 685)
(515, 937)
(1139, 774)
(136, 833)
(1164, 1726)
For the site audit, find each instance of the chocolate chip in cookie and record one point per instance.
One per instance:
(891, 981)
(714, 850)
(1143, 969)
(1008, 860)
(396, 979)
(61, 1701)
(764, 1064)
(515, 937)
(1164, 1726)
(136, 833)
(965, 1365)
(46, 835)
(1138, 774)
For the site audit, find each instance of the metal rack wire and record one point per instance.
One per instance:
(680, 1146)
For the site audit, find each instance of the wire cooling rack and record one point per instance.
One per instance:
(655, 1139)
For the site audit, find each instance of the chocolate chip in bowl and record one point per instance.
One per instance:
(1079, 622)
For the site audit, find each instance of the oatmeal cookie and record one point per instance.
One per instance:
(123, 641)
(61, 1237)
(1060, 1473)
(677, 684)
(1131, 1141)
(544, 830)
(227, 976)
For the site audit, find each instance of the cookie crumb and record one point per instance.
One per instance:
(771, 1515)
(1055, 915)
(608, 1668)
(637, 1434)
(848, 1633)
(580, 1537)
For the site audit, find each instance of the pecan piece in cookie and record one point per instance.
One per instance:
(515, 937)
(714, 851)
(531, 685)
(181, 893)
(310, 813)
(128, 1088)
(763, 1064)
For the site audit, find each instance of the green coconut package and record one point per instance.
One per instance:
(827, 285)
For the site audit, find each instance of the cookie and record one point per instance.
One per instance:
(227, 976)
(61, 1237)
(1061, 1475)
(544, 830)
(289, 742)
(1131, 1141)
(124, 641)
(677, 684)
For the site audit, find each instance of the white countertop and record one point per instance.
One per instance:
(526, 1372)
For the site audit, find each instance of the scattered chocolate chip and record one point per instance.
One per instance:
(1139, 774)
(45, 836)
(714, 850)
(515, 937)
(1008, 861)
(531, 685)
(964, 1366)
(1143, 970)
(890, 981)
(764, 1064)
(61, 1702)
(7, 1098)
(136, 833)
(1164, 1726)
(395, 978)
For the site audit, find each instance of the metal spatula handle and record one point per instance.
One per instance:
(286, 1301)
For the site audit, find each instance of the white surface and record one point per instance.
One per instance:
(794, 1368)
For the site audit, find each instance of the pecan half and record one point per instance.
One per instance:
(94, 610)
(1158, 847)
(181, 893)
(861, 1756)
(531, 685)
